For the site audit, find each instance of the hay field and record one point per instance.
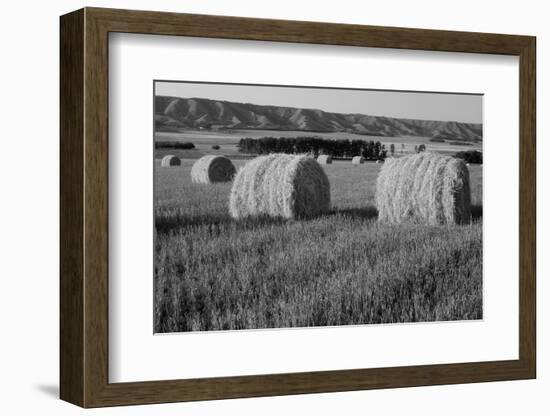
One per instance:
(214, 273)
(228, 140)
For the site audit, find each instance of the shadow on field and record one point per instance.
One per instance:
(477, 212)
(370, 212)
(176, 220)
(167, 223)
(173, 219)
(364, 213)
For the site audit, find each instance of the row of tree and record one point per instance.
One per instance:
(470, 156)
(159, 144)
(314, 145)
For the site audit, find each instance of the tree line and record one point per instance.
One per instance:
(471, 156)
(314, 145)
(159, 144)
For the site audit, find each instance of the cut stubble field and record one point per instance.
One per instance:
(343, 268)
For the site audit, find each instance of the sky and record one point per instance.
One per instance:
(415, 105)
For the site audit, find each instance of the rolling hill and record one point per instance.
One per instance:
(175, 113)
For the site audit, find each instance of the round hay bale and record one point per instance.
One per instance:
(170, 160)
(324, 159)
(212, 168)
(425, 188)
(280, 186)
(357, 160)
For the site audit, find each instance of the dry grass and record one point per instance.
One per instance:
(212, 168)
(358, 160)
(342, 268)
(324, 159)
(424, 188)
(338, 269)
(170, 160)
(280, 186)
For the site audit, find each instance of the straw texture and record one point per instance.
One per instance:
(324, 159)
(170, 160)
(357, 160)
(280, 186)
(424, 188)
(212, 168)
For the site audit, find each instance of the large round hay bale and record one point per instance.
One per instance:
(324, 159)
(280, 185)
(426, 188)
(357, 160)
(212, 168)
(170, 160)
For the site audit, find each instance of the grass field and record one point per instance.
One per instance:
(228, 140)
(213, 273)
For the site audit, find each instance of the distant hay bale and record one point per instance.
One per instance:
(280, 185)
(212, 168)
(424, 188)
(324, 159)
(357, 160)
(170, 160)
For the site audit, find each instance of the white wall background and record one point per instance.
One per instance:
(29, 206)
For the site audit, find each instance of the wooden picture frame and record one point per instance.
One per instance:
(84, 207)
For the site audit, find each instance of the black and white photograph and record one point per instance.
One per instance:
(293, 207)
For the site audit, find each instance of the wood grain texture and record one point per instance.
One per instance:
(224, 27)
(84, 207)
(96, 209)
(527, 208)
(71, 184)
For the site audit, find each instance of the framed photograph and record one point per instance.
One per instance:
(257, 207)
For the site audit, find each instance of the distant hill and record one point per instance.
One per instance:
(174, 112)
